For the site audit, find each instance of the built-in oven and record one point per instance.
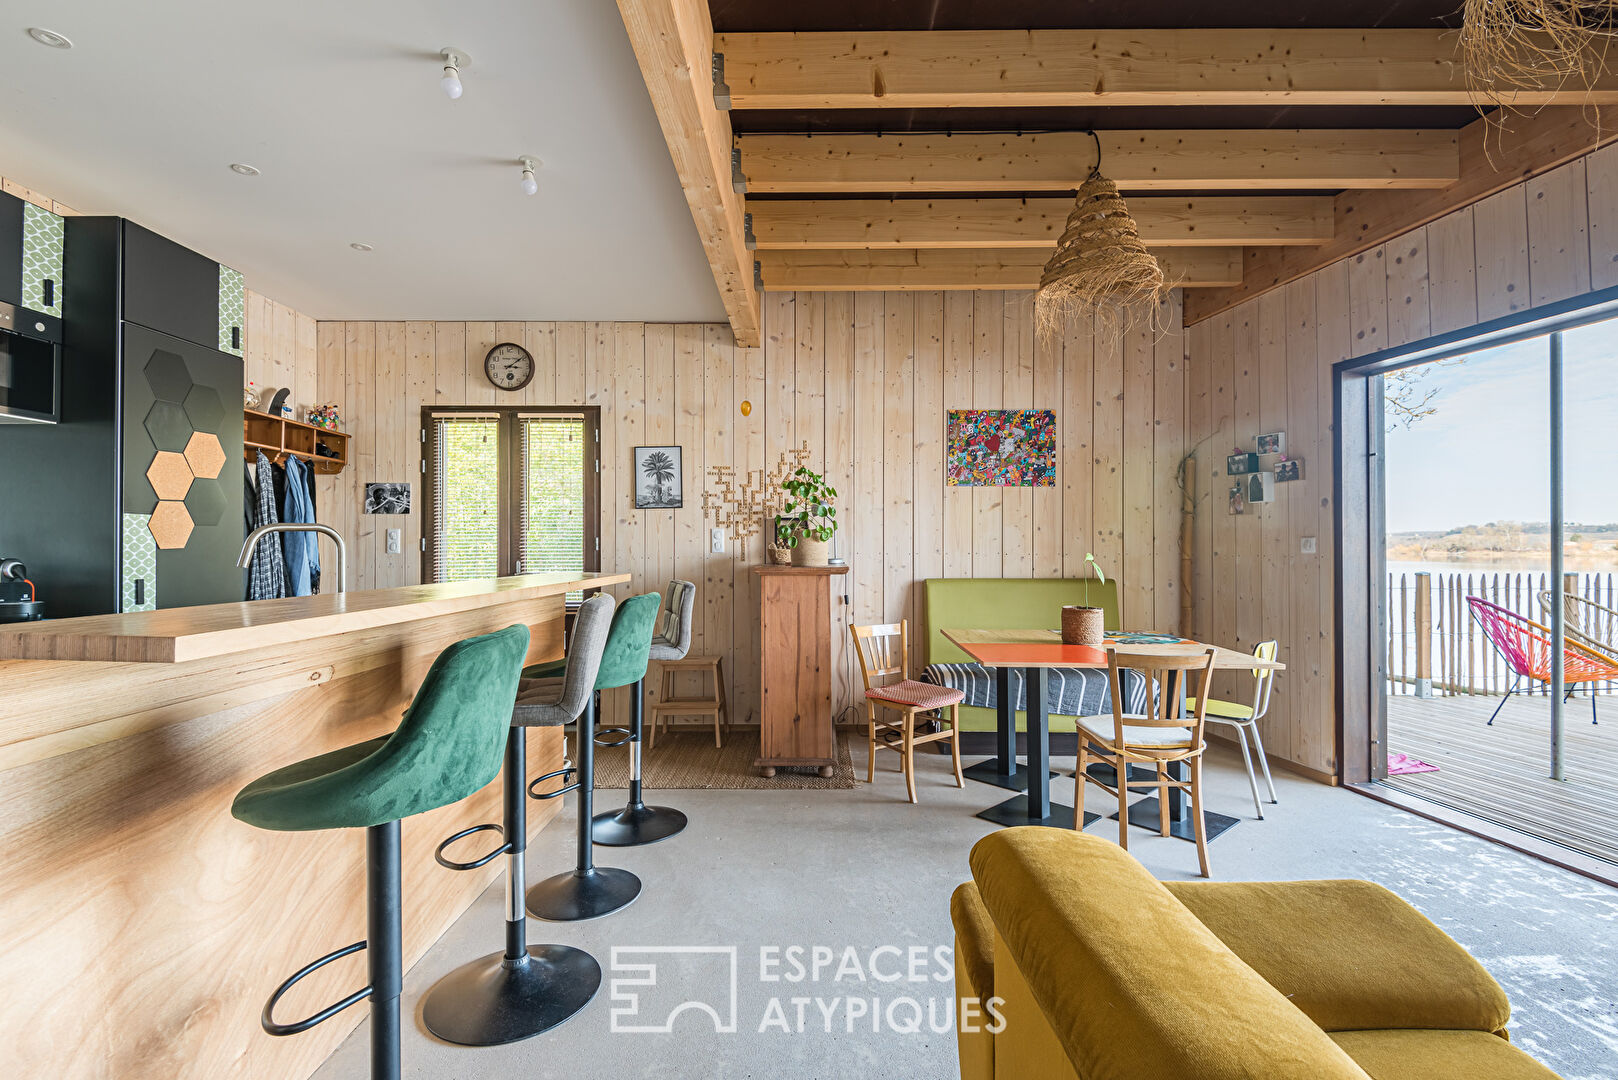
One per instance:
(30, 367)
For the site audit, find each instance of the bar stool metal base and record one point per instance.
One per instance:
(493, 1000)
(634, 825)
(579, 895)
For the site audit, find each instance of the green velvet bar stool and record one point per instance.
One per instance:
(589, 891)
(638, 823)
(447, 746)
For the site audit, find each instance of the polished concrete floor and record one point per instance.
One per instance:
(763, 887)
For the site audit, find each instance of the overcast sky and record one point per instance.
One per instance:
(1483, 456)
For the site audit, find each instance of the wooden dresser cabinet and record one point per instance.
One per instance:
(795, 725)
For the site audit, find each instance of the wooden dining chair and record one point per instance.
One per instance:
(884, 653)
(1158, 737)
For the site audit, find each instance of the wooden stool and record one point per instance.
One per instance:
(668, 705)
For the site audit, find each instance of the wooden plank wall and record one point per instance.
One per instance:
(1266, 366)
(865, 379)
(278, 349)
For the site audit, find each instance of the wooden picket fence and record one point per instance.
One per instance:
(1432, 635)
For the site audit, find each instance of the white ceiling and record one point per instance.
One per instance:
(338, 104)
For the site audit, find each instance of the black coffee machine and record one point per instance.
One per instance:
(18, 602)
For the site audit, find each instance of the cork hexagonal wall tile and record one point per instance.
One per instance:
(167, 425)
(170, 525)
(167, 376)
(204, 454)
(202, 405)
(170, 476)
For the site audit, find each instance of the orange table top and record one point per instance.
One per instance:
(1044, 648)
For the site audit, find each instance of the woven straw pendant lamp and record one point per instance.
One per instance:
(1100, 261)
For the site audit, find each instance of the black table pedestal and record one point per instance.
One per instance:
(1144, 813)
(1014, 811)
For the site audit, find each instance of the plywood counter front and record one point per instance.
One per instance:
(141, 926)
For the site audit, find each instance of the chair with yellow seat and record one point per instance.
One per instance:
(1245, 718)
(1162, 736)
(883, 652)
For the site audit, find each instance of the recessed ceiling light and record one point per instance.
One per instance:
(357, 246)
(242, 170)
(49, 37)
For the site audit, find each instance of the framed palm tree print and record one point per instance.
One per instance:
(658, 478)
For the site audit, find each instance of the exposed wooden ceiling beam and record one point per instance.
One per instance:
(673, 42)
(1008, 268)
(1015, 68)
(1491, 160)
(1135, 160)
(1165, 221)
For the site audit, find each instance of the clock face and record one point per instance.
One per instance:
(509, 366)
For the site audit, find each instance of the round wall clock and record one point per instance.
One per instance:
(509, 366)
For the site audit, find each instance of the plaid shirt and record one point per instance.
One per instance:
(267, 576)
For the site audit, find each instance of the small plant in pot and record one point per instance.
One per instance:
(780, 548)
(1085, 625)
(810, 516)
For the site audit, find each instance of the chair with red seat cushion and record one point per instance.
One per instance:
(883, 652)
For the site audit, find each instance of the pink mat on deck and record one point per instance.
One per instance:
(1403, 764)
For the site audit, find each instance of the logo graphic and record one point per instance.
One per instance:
(639, 998)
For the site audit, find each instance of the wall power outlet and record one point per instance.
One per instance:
(716, 541)
(393, 541)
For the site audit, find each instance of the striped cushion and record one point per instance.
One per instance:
(921, 695)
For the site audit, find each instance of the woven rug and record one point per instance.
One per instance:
(688, 759)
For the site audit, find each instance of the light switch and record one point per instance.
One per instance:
(393, 541)
(716, 541)
(1308, 545)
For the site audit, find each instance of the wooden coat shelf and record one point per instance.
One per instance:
(280, 438)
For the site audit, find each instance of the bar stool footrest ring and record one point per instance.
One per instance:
(565, 770)
(268, 1022)
(450, 864)
(623, 733)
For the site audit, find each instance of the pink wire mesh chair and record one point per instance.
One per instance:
(1525, 646)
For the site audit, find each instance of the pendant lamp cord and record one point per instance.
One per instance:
(1095, 170)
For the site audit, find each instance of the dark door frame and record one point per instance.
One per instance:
(509, 480)
(1361, 558)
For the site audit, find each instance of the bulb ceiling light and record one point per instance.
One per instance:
(454, 61)
(530, 186)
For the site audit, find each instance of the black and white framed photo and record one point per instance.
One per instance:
(1261, 487)
(1273, 443)
(658, 478)
(387, 498)
(1288, 471)
(1241, 464)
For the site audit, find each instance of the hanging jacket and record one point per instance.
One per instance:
(267, 575)
(302, 548)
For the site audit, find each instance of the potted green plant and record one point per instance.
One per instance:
(810, 515)
(1085, 625)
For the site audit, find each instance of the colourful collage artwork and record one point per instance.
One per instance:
(1001, 448)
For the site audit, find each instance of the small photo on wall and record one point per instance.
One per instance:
(1288, 471)
(1238, 498)
(387, 498)
(1273, 443)
(1261, 487)
(1241, 464)
(658, 478)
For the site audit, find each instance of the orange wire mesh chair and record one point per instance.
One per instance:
(1526, 647)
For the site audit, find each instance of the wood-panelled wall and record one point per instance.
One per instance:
(278, 349)
(865, 379)
(1266, 366)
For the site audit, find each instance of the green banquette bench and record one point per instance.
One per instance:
(1011, 603)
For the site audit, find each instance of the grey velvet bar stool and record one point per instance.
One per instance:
(446, 748)
(590, 891)
(638, 823)
(526, 989)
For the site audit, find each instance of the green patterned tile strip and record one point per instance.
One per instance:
(140, 561)
(232, 307)
(42, 235)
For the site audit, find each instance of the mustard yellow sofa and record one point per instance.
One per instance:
(1073, 961)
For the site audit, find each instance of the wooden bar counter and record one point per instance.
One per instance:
(141, 926)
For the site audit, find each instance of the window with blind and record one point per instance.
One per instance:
(511, 491)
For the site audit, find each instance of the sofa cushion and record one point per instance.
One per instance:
(1350, 954)
(1132, 983)
(1070, 691)
(974, 940)
(1439, 1055)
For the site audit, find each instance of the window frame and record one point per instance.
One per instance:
(509, 482)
